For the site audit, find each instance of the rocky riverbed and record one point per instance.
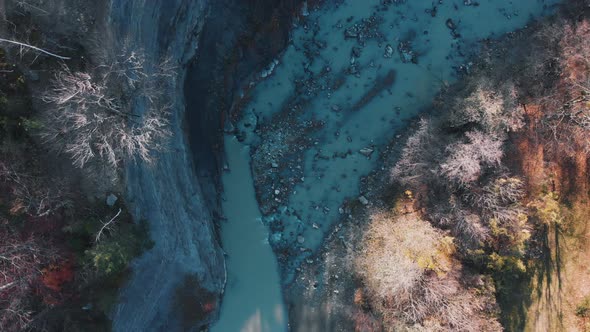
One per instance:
(352, 75)
(319, 116)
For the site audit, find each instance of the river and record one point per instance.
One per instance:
(252, 301)
(352, 76)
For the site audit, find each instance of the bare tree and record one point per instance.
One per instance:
(92, 115)
(472, 229)
(414, 161)
(498, 193)
(499, 200)
(21, 260)
(397, 253)
(575, 54)
(35, 195)
(24, 45)
(106, 226)
(494, 109)
(408, 270)
(566, 112)
(465, 162)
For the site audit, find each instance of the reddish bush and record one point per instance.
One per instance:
(566, 109)
(575, 54)
(21, 260)
(55, 276)
(365, 322)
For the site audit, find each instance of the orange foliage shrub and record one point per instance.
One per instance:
(567, 107)
(56, 275)
(575, 53)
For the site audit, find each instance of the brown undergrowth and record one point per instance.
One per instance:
(557, 179)
(502, 176)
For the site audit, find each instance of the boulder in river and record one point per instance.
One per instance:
(363, 200)
(388, 51)
(406, 53)
(366, 151)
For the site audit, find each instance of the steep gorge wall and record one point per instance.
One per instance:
(185, 266)
(240, 37)
(216, 46)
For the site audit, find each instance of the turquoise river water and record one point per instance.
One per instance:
(328, 74)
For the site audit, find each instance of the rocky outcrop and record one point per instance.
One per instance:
(218, 46)
(185, 266)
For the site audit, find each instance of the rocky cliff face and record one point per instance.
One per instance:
(216, 45)
(186, 264)
(178, 283)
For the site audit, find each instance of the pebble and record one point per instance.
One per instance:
(363, 200)
(300, 239)
(366, 152)
(111, 199)
(450, 24)
(304, 10)
(388, 51)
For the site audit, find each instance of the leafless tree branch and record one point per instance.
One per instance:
(106, 226)
(34, 48)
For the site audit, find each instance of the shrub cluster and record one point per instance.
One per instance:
(412, 278)
(454, 164)
(91, 115)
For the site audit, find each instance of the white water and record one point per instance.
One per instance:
(252, 300)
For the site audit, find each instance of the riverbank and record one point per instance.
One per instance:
(344, 87)
(351, 76)
(528, 300)
(185, 265)
(252, 298)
